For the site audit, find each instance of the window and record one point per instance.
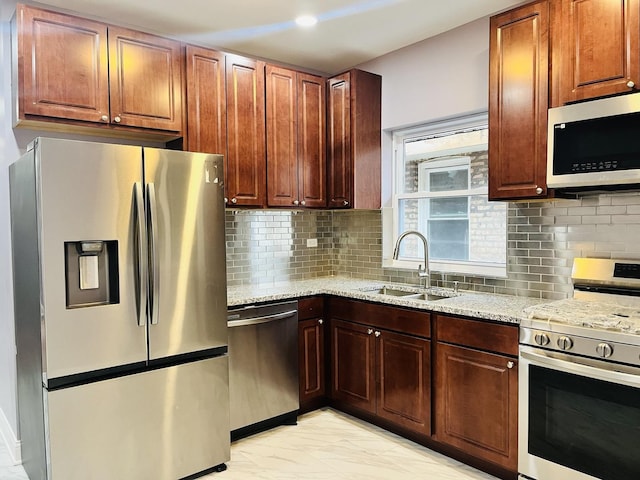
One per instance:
(440, 190)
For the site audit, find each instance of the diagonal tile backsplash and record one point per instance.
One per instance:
(265, 246)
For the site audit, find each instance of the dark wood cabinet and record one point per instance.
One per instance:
(596, 50)
(206, 101)
(84, 73)
(518, 102)
(380, 371)
(311, 346)
(296, 159)
(476, 389)
(145, 80)
(354, 140)
(62, 66)
(246, 150)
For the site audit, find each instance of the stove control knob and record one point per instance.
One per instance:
(541, 339)
(565, 343)
(604, 350)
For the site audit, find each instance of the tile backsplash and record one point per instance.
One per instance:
(265, 246)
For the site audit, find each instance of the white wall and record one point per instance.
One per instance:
(441, 77)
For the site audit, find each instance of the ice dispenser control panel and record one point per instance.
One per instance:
(91, 273)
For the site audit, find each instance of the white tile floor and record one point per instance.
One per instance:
(325, 445)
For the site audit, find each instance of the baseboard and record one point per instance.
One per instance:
(8, 437)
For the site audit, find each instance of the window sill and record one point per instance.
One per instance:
(451, 267)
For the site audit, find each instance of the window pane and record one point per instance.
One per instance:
(450, 207)
(449, 239)
(451, 180)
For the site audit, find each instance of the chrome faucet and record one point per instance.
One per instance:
(422, 272)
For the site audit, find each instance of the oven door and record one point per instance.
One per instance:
(579, 419)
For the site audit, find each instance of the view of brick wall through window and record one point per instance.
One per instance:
(266, 246)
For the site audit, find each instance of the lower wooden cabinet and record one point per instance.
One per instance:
(382, 372)
(476, 392)
(311, 356)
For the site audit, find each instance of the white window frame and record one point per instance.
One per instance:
(390, 215)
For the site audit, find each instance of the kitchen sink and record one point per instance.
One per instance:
(430, 297)
(394, 292)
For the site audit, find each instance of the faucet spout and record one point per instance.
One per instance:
(422, 272)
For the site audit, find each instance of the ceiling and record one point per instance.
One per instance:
(349, 32)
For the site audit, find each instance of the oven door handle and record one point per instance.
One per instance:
(608, 372)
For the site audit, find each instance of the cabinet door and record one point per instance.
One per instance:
(282, 155)
(405, 381)
(246, 158)
(145, 79)
(598, 48)
(312, 164)
(518, 100)
(353, 365)
(311, 355)
(206, 102)
(476, 403)
(340, 178)
(62, 66)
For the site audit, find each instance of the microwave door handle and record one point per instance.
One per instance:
(153, 256)
(608, 372)
(141, 253)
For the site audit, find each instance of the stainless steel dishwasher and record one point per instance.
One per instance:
(263, 367)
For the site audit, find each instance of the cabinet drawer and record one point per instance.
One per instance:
(478, 334)
(310, 307)
(411, 322)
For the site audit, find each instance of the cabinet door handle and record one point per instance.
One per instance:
(539, 190)
(320, 321)
(345, 203)
(117, 119)
(510, 364)
(377, 334)
(234, 200)
(631, 84)
(369, 331)
(303, 203)
(295, 202)
(104, 118)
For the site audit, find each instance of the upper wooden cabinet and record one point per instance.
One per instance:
(245, 173)
(206, 101)
(84, 73)
(145, 80)
(354, 140)
(518, 102)
(296, 158)
(595, 48)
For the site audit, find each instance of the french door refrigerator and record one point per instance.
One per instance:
(120, 310)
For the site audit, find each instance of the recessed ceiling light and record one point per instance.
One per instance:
(306, 20)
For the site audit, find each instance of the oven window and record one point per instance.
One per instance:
(588, 425)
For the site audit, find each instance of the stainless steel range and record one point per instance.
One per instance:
(579, 389)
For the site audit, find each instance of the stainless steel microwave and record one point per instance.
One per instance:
(595, 145)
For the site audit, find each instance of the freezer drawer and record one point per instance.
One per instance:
(263, 363)
(162, 424)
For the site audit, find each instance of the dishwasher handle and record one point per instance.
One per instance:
(263, 319)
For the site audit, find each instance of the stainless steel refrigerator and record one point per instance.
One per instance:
(120, 311)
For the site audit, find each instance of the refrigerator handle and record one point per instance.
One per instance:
(142, 255)
(153, 253)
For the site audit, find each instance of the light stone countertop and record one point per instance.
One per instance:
(502, 308)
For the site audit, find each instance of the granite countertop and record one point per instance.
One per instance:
(502, 308)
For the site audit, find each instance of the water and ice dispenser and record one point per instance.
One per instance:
(91, 273)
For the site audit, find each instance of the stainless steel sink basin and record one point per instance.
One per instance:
(394, 292)
(429, 297)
